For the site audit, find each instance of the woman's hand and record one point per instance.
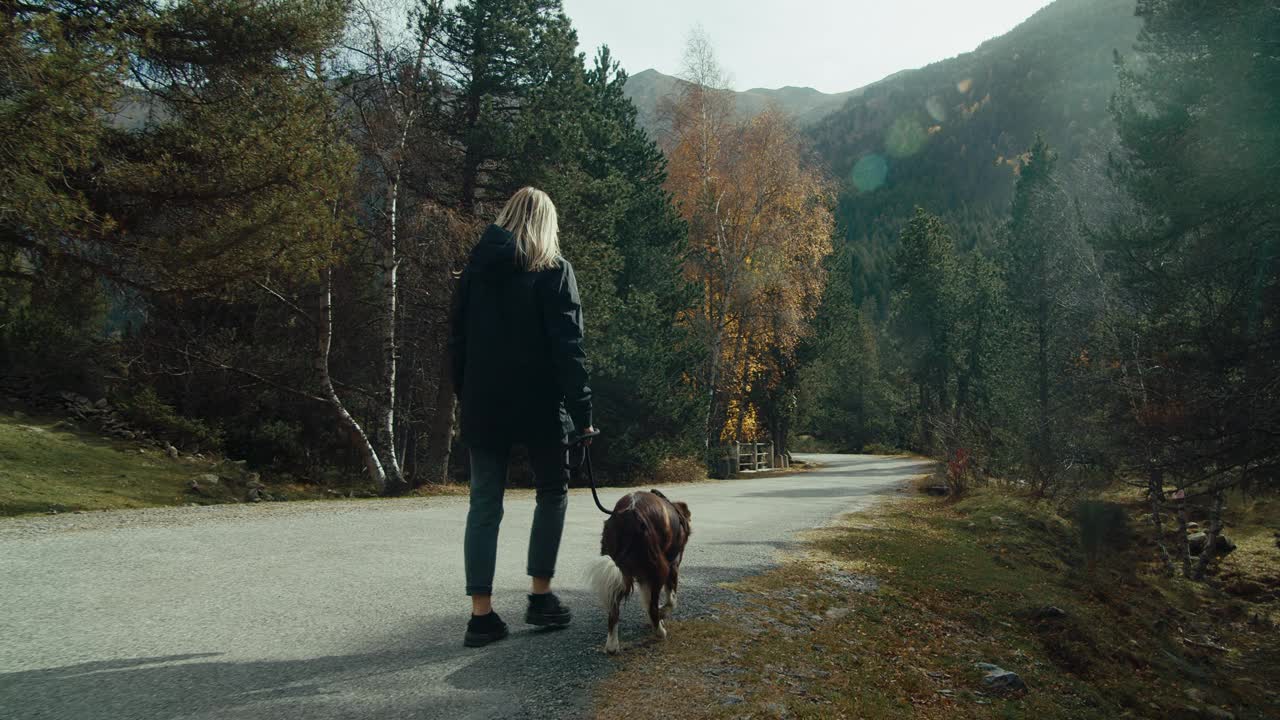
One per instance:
(587, 434)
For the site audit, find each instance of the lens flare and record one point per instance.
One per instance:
(869, 173)
(905, 138)
(936, 109)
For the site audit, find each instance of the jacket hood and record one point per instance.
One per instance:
(496, 251)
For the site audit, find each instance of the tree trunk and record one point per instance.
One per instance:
(386, 435)
(471, 156)
(741, 357)
(1155, 489)
(435, 465)
(711, 431)
(1184, 546)
(1212, 534)
(323, 344)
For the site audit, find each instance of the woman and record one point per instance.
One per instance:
(520, 373)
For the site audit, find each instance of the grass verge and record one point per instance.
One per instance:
(886, 616)
(47, 467)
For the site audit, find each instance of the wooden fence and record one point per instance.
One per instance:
(752, 457)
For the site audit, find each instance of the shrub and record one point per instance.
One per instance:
(679, 470)
(145, 408)
(1104, 526)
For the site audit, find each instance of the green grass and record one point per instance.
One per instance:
(45, 466)
(960, 583)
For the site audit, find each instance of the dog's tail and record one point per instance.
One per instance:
(606, 581)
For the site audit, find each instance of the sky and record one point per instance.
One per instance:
(831, 45)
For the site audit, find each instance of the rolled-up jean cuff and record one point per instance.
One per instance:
(479, 590)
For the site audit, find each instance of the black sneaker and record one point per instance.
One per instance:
(546, 610)
(484, 629)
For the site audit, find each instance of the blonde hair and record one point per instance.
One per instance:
(531, 217)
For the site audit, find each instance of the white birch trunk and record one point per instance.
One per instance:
(323, 345)
(387, 412)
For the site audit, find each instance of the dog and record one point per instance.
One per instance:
(642, 545)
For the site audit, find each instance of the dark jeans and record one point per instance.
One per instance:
(488, 481)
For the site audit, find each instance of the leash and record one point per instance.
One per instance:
(591, 476)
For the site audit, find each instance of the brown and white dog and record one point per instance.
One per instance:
(642, 545)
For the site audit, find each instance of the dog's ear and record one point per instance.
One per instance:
(683, 509)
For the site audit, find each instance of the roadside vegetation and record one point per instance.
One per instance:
(50, 465)
(889, 614)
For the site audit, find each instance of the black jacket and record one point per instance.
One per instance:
(516, 346)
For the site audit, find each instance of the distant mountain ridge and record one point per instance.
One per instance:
(804, 105)
(949, 137)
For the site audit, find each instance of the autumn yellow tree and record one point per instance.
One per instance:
(760, 224)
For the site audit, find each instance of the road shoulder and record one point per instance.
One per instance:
(888, 614)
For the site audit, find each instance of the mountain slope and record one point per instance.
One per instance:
(973, 115)
(949, 137)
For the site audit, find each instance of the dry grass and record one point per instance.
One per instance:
(960, 583)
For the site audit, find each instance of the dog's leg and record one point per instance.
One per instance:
(655, 615)
(673, 581)
(644, 594)
(611, 643)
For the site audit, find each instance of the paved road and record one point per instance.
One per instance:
(347, 609)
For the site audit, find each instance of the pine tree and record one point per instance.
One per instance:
(1033, 262)
(923, 316)
(508, 62)
(209, 172)
(1198, 269)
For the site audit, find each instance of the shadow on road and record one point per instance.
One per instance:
(401, 681)
(551, 671)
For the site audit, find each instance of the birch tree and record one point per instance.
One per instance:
(759, 226)
(386, 92)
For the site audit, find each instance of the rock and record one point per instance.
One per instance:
(255, 494)
(253, 479)
(732, 700)
(1043, 614)
(171, 451)
(1222, 546)
(838, 613)
(776, 709)
(194, 486)
(1217, 713)
(999, 680)
(1194, 694)
(854, 581)
(101, 404)
(997, 519)
(208, 479)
